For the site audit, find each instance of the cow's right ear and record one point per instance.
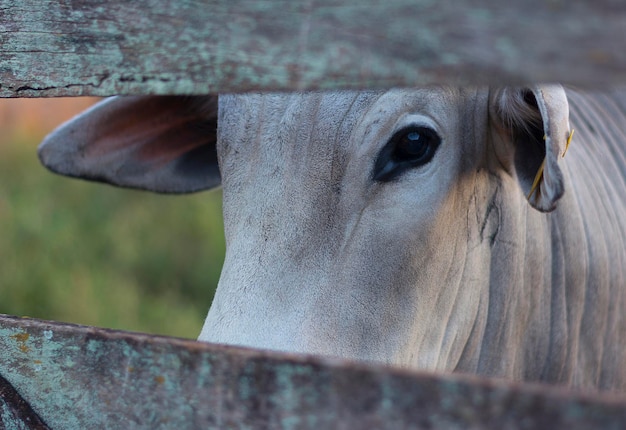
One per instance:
(533, 124)
(158, 143)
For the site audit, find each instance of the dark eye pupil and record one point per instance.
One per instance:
(412, 145)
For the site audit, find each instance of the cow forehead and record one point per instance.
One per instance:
(273, 118)
(333, 106)
(295, 119)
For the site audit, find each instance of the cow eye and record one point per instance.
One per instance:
(409, 148)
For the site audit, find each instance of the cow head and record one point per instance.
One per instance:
(358, 224)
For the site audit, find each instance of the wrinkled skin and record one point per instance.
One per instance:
(450, 265)
(323, 259)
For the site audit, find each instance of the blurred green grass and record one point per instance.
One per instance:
(92, 254)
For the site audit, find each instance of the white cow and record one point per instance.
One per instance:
(400, 226)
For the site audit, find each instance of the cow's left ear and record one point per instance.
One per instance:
(165, 144)
(534, 123)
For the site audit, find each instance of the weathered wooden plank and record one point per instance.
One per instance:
(15, 412)
(104, 47)
(81, 377)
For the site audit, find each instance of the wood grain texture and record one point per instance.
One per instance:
(105, 47)
(77, 377)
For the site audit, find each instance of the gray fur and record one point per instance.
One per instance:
(448, 268)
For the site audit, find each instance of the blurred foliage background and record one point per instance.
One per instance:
(92, 254)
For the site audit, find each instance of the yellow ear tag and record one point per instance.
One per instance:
(538, 178)
(539, 174)
(569, 140)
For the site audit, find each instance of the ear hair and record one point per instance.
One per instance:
(517, 110)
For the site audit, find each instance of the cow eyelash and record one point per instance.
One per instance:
(408, 148)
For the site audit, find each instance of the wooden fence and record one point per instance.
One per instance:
(105, 47)
(61, 376)
(89, 378)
